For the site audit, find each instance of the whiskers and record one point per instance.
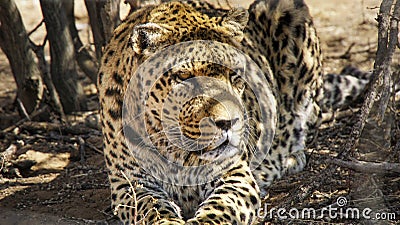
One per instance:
(250, 133)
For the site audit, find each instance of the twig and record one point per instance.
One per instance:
(229, 4)
(82, 146)
(346, 54)
(36, 28)
(74, 130)
(23, 109)
(370, 49)
(363, 12)
(93, 148)
(135, 206)
(219, 4)
(329, 116)
(33, 115)
(368, 167)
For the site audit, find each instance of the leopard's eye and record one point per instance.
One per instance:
(182, 75)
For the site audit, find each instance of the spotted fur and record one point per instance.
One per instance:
(344, 89)
(280, 38)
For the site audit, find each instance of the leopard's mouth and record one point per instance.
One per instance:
(222, 151)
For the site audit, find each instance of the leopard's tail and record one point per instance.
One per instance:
(344, 89)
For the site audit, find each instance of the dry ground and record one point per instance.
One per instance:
(58, 174)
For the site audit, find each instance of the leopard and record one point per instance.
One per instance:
(202, 107)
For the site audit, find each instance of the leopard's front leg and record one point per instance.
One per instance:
(234, 201)
(142, 203)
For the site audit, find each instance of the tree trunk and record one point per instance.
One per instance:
(15, 44)
(85, 61)
(137, 4)
(104, 18)
(62, 52)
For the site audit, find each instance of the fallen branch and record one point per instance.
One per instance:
(34, 127)
(368, 167)
(94, 148)
(331, 116)
(348, 53)
(32, 115)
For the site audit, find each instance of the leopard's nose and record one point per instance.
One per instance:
(226, 124)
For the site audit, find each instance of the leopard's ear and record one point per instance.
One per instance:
(235, 21)
(147, 37)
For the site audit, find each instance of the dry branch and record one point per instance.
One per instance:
(32, 115)
(44, 126)
(368, 167)
(331, 116)
(387, 42)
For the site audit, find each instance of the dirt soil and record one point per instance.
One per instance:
(56, 174)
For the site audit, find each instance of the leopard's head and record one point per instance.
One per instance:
(203, 112)
(194, 102)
